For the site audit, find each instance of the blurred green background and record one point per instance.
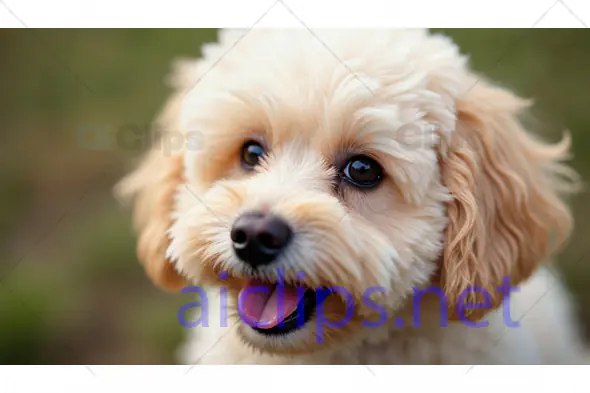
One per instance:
(71, 290)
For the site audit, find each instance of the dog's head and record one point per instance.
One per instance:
(381, 162)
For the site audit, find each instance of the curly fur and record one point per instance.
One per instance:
(469, 196)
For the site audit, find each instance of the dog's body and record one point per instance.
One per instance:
(382, 162)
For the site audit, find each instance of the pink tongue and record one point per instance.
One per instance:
(260, 302)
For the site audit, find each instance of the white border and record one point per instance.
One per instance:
(314, 13)
(295, 379)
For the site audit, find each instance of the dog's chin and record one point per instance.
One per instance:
(295, 341)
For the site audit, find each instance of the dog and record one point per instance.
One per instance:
(372, 162)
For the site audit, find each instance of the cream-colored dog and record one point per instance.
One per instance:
(372, 161)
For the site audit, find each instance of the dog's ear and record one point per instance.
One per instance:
(152, 186)
(507, 214)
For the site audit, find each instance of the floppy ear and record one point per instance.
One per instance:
(153, 186)
(507, 215)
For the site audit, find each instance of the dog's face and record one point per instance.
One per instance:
(316, 187)
(375, 169)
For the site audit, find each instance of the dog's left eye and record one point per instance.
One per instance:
(252, 152)
(363, 172)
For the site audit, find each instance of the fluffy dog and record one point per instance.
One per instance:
(372, 161)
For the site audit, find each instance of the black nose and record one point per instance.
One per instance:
(258, 237)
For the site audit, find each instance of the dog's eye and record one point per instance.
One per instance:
(252, 152)
(363, 172)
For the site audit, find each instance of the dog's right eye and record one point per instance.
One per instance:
(252, 152)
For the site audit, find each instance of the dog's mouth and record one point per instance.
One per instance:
(275, 309)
